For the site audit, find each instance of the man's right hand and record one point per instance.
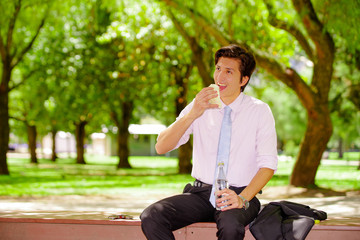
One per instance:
(168, 138)
(201, 102)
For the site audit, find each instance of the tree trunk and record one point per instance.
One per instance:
(53, 136)
(181, 79)
(185, 155)
(317, 135)
(320, 48)
(340, 148)
(123, 150)
(10, 52)
(80, 139)
(32, 134)
(123, 135)
(4, 119)
(185, 151)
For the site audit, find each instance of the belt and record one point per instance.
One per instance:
(198, 183)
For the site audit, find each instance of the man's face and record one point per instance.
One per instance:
(227, 77)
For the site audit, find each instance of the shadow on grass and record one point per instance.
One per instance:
(318, 192)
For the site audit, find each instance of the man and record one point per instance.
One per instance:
(251, 161)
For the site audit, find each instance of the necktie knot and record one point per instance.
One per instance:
(227, 112)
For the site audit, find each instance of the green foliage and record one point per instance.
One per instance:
(91, 56)
(290, 118)
(341, 18)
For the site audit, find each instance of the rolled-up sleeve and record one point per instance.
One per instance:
(266, 140)
(186, 136)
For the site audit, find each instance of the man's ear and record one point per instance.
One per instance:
(244, 80)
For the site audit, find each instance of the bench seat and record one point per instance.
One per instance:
(76, 229)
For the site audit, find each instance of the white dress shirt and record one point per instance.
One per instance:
(253, 140)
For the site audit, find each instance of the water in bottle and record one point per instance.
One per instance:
(220, 183)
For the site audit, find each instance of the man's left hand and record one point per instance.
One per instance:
(229, 199)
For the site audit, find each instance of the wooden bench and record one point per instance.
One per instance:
(75, 229)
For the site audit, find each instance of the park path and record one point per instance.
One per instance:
(342, 207)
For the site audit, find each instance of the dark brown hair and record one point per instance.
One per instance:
(246, 60)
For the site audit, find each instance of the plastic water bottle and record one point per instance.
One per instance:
(221, 182)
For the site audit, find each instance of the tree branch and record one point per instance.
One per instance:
(315, 29)
(197, 50)
(230, 18)
(28, 47)
(23, 80)
(354, 94)
(2, 49)
(12, 25)
(287, 75)
(204, 23)
(179, 27)
(290, 28)
(18, 119)
(325, 48)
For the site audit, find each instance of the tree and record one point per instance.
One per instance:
(182, 74)
(299, 22)
(27, 106)
(139, 54)
(180, 69)
(78, 94)
(125, 53)
(17, 36)
(203, 61)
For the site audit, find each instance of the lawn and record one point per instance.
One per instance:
(101, 177)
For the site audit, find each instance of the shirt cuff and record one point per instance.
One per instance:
(267, 161)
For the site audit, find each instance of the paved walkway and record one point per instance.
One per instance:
(340, 207)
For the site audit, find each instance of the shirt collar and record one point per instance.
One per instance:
(235, 105)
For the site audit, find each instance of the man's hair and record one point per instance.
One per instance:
(246, 60)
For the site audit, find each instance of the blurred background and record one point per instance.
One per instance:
(86, 86)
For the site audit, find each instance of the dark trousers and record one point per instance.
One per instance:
(160, 219)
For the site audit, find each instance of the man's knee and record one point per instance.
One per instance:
(230, 229)
(149, 214)
(231, 224)
(153, 215)
(155, 222)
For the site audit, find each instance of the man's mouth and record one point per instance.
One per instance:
(221, 87)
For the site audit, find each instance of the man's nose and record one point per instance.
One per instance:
(221, 77)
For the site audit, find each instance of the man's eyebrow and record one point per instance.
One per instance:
(229, 68)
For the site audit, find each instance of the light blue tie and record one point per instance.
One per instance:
(223, 148)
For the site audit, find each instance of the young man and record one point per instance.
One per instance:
(251, 159)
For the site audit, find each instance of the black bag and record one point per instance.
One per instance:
(285, 220)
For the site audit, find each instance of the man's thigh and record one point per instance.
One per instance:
(184, 209)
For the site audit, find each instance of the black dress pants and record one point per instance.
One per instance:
(160, 219)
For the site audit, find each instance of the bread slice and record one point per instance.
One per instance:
(217, 99)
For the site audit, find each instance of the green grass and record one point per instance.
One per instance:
(149, 174)
(348, 156)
